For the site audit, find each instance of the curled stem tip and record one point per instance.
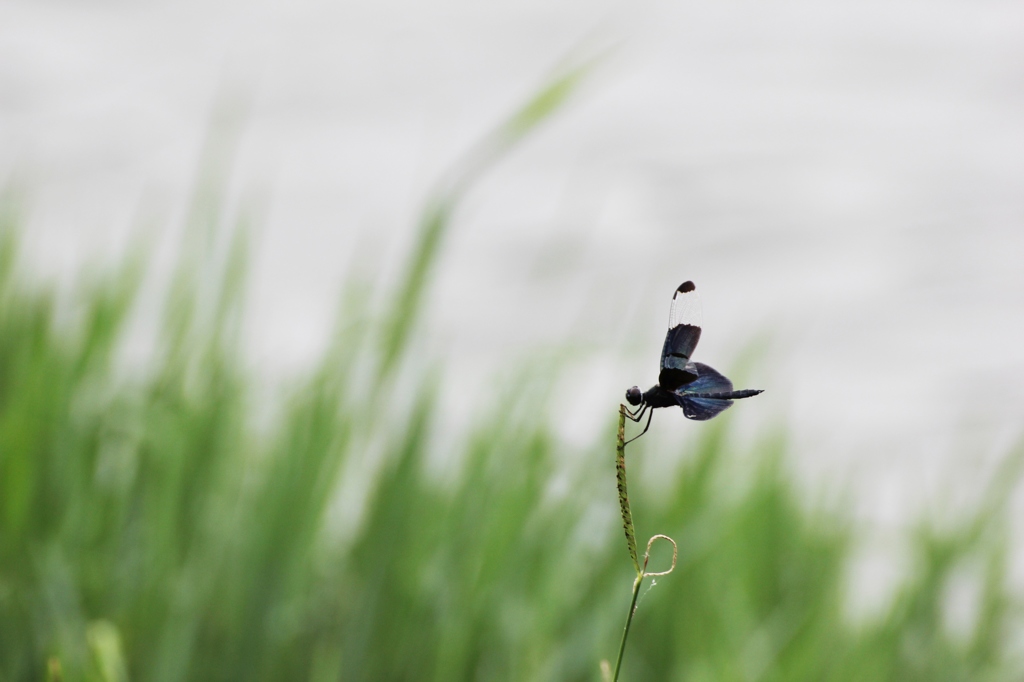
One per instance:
(675, 554)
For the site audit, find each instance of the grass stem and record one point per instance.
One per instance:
(629, 620)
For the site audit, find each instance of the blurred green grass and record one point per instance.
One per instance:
(154, 528)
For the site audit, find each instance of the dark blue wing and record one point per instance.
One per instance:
(675, 356)
(702, 409)
(708, 380)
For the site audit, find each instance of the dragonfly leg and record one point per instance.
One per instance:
(649, 415)
(637, 414)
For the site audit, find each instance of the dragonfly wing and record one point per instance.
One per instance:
(702, 409)
(708, 380)
(685, 308)
(684, 319)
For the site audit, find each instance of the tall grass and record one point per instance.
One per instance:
(151, 529)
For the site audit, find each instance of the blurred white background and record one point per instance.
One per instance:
(844, 181)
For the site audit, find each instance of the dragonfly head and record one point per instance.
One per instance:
(633, 396)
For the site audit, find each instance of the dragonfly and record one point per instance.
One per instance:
(700, 390)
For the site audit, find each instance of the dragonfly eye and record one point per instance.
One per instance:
(633, 396)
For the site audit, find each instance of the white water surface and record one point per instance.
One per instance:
(844, 181)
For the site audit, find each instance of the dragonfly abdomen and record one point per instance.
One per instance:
(724, 395)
